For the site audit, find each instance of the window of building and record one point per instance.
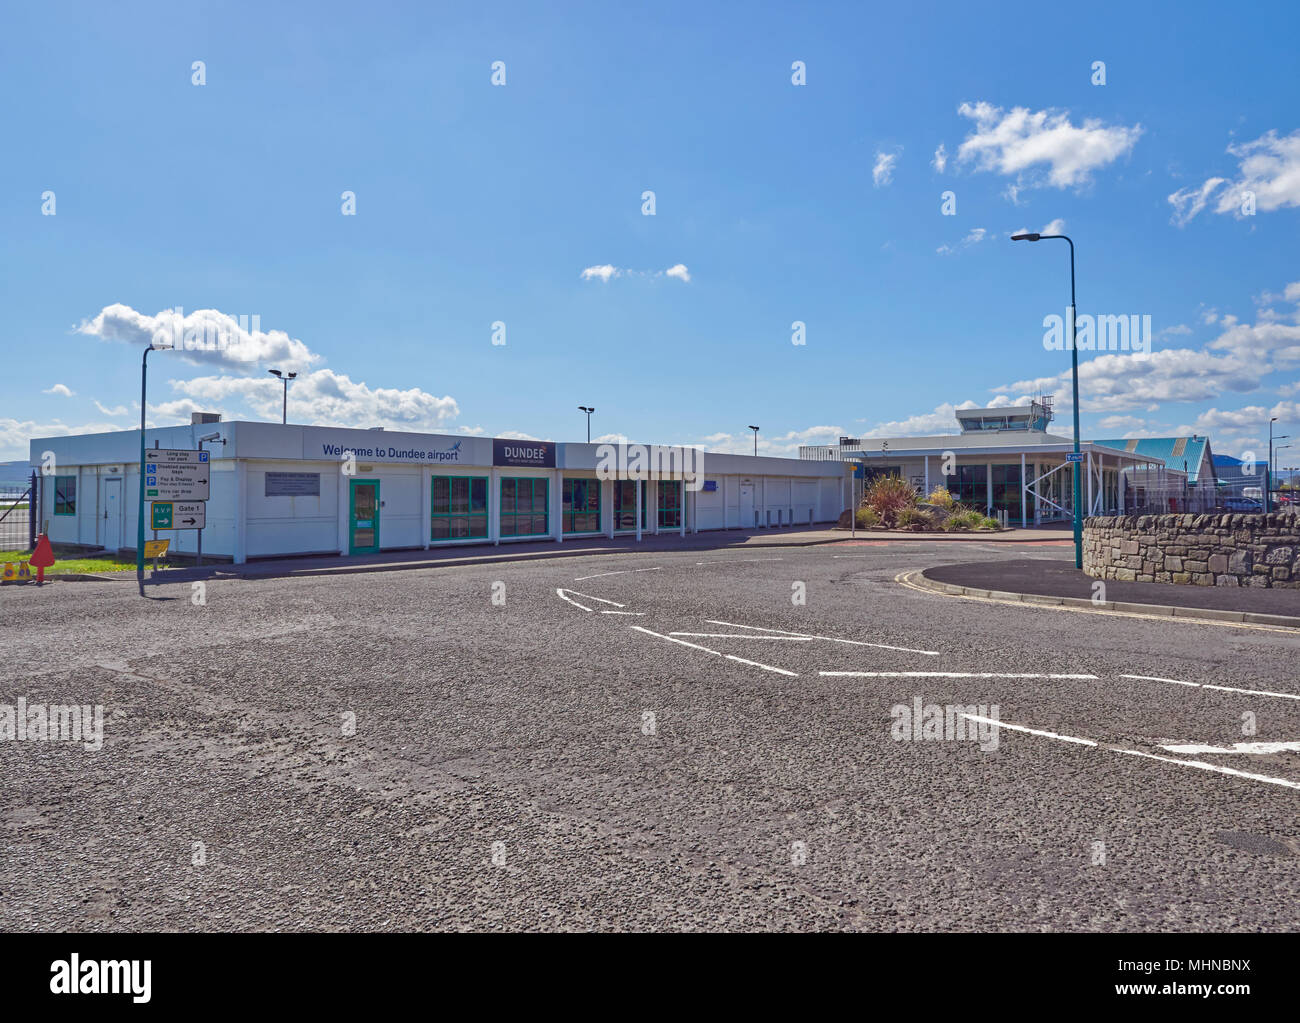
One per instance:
(460, 507)
(1006, 489)
(525, 508)
(65, 495)
(872, 472)
(581, 506)
(670, 504)
(969, 485)
(625, 504)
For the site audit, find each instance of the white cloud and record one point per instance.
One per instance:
(15, 434)
(1019, 141)
(975, 237)
(882, 173)
(940, 158)
(1056, 226)
(321, 398)
(203, 337)
(606, 272)
(785, 445)
(63, 390)
(117, 410)
(1187, 202)
(1268, 166)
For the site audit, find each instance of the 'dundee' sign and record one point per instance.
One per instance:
(534, 454)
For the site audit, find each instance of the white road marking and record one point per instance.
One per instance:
(635, 614)
(828, 639)
(626, 571)
(716, 653)
(1258, 748)
(1222, 689)
(735, 561)
(1202, 765)
(1031, 731)
(738, 635)
(560, 592)
(945, 674)
(1199, 764)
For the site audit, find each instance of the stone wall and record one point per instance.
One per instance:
(1199, 550)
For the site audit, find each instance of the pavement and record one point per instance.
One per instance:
(664, 740)
(524, 550)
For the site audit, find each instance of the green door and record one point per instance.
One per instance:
(363, 532)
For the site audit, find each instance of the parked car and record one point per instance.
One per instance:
(1247, 505)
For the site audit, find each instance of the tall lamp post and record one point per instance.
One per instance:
(1268, 483)
(285, 377)
(154, 346)
(755, 429)
(589, 410)
(1074, 366)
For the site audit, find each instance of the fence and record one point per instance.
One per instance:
(18, 516)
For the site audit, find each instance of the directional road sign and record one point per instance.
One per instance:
(176, 474)
(178, 515)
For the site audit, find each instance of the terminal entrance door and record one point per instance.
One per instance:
(363, 531)
(746, 505)
(112, 520)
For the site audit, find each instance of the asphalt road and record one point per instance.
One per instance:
(713, 756)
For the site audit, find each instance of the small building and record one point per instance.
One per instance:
(280, 490)
(1003, 461)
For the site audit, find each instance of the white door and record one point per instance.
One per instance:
(747, 506)
(111, 537)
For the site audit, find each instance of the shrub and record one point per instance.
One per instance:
(915, 519)
(867, 517)
(989, 523)
(966, 520)
(941, 497)
(889, 495)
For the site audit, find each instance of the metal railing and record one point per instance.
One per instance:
(18, 512)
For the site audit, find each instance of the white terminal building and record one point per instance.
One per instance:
(1005, 461)
(279, 490)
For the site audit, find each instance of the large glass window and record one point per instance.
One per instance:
(670, 504)
(525, 509)
(460, 507)
(871, 472)
(65, 495)
(969, 485)
(582, 506)
(625, 504)
(1006, 489)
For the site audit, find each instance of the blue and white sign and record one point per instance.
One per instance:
(1074, 456)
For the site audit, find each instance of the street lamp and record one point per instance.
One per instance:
(589, 410)
(755, 429)
(1268, 505)
(1074, 366)
(285, 377)
(158, 344)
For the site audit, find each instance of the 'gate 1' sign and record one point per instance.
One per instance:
(178, 515)
(176, 474)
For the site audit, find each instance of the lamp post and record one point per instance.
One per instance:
(589, 410)
(755, 429)
(285, 377)
(1268, 468)
(1074, 368)
(154, 346)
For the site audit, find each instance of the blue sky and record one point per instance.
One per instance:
(774, 203)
